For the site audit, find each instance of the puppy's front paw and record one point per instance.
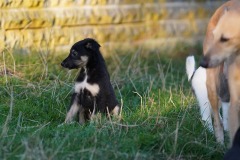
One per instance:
(67, 121)
(60, 125)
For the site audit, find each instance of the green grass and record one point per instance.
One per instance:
(160, 116)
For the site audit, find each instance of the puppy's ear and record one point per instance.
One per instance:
(92, 45)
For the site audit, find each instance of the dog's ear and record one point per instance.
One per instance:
(92, 45)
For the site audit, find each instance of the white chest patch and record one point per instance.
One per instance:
(93, 88)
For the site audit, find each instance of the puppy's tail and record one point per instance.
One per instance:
(190, 67)
(198, 77)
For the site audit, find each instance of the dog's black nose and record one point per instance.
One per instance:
(204, 62)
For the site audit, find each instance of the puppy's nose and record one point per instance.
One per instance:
(63, 64)
(204, 62)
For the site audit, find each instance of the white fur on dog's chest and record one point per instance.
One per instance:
(93, 88)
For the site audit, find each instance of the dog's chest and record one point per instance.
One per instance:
(92, 88)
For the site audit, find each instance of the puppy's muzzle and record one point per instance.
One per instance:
(67, 63)
(63, 64)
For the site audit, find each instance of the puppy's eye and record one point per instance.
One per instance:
(224, 39)
(74, 53)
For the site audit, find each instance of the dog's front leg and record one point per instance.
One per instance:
(234, 87)
(74, 108)
(212, 85)
(233, 119)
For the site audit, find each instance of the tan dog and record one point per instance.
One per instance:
(221, 51)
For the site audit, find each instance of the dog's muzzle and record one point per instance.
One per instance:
(204, 62)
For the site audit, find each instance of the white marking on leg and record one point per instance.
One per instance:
(92, 88)
(200, 89)
(72, 112)
(225, 107)
(115, 111)
(92, 115)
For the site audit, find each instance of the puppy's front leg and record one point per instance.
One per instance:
(73, 109)
(81, 115)
(93, 114)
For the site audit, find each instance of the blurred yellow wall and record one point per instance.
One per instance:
(57, 24)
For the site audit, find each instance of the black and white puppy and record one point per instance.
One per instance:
(93, 91)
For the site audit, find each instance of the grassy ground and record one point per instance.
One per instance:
(160, 117)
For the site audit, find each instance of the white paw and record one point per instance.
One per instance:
(62, 124)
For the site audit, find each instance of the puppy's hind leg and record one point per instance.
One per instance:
(116, 113)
